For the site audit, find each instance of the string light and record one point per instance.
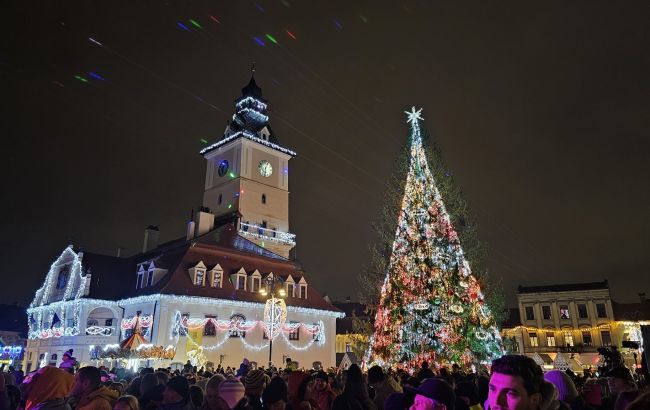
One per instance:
(249, 136)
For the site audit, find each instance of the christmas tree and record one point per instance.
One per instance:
(431, 306)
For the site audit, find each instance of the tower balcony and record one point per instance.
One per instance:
(253, 231)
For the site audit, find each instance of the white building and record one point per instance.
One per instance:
(209, 280)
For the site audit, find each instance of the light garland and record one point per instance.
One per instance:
(99, 330)
(275, 235)
(602, 326)
(250, 137)
(259, 116)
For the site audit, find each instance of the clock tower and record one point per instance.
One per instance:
(248, 172)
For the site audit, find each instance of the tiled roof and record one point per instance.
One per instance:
(114, 278)
(569, 287)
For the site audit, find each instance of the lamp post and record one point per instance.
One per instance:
(275, 310)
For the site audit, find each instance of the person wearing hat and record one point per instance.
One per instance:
(233, 392)
(382, 385)
(254, 383)
(176, 395)
(322, 392)
(434, 394)
(69, 363)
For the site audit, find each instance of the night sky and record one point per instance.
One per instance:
(542, 112)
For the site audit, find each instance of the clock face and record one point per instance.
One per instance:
(265, 169)
(223, 167)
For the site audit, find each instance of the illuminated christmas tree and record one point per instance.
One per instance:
(431, 306)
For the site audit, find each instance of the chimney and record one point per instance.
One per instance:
(204, 221)
(151, 235)
(642, 297)
(191, 228)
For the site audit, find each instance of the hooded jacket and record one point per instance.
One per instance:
(101, 399)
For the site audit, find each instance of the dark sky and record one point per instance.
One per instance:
(542, 111)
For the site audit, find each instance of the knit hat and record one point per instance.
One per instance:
(320, 375)
(232, 391)
(180, 385)
(566, 389)
(438, 390)
(254, 381)
(68, 353)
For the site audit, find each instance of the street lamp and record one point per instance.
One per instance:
(275, 310)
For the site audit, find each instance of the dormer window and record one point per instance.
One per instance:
(197, 274)
(62, 279)
(217, 277)
(150, 275)
(289, 284)
(255, 281)
(239, 279)
(140, 280)
(302, 288)
(199, 277)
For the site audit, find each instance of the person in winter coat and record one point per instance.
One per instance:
(566, 389)
(47, 389)
(382, 385)
(151, 392)
(233, 393)
(322, 392)
(355, 393)
(69, 363)
(89, 393)
(177, 395)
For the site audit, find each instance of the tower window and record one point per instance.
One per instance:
(264, 198)
(220, 199)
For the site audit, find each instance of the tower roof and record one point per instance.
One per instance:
(252, 90)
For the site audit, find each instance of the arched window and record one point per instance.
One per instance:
(264, 198)
(237, 318)
(62, 279)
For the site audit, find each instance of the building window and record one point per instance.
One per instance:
(550, 339)
(601, 310)
(184, 318)
(564, 312)
(92, 322)
(216, 279)
(303, 292)
(264, 198)
(108, 322)
(237, 320)
(568, 338)
(241, 282)
(199, 276)
(294, 334)
(138, 284)
(546, 312)
(607, 337)
(255, 285)
(316, 336)
(533, 339)
(530, 314)
(586, 338)
(150, 278)
(62, 279)
(209, 329)
(53, 359)
(220, 199)
(348, 348)
(582, 311)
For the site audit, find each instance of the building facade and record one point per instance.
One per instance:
(199, 296)
(563, 326)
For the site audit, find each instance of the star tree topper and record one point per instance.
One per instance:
(413, 115)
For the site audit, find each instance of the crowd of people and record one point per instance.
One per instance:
(514, 382)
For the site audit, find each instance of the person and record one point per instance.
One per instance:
(621, 384)
(515, 384)
(196, 395)
(640, 403)
(467, 391)
(232, 391)
(434, 394)
(566, 389)
(383, 386)
(212, 400)
(88, 391)
(126, 402)
(47, 389)
(187, 367)
(176, 395)
(355, 392)
(425, 372)
(69, 363)
(151, 392)
(549, 398)
(275, 395)
(254, 383)
(322, 392)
